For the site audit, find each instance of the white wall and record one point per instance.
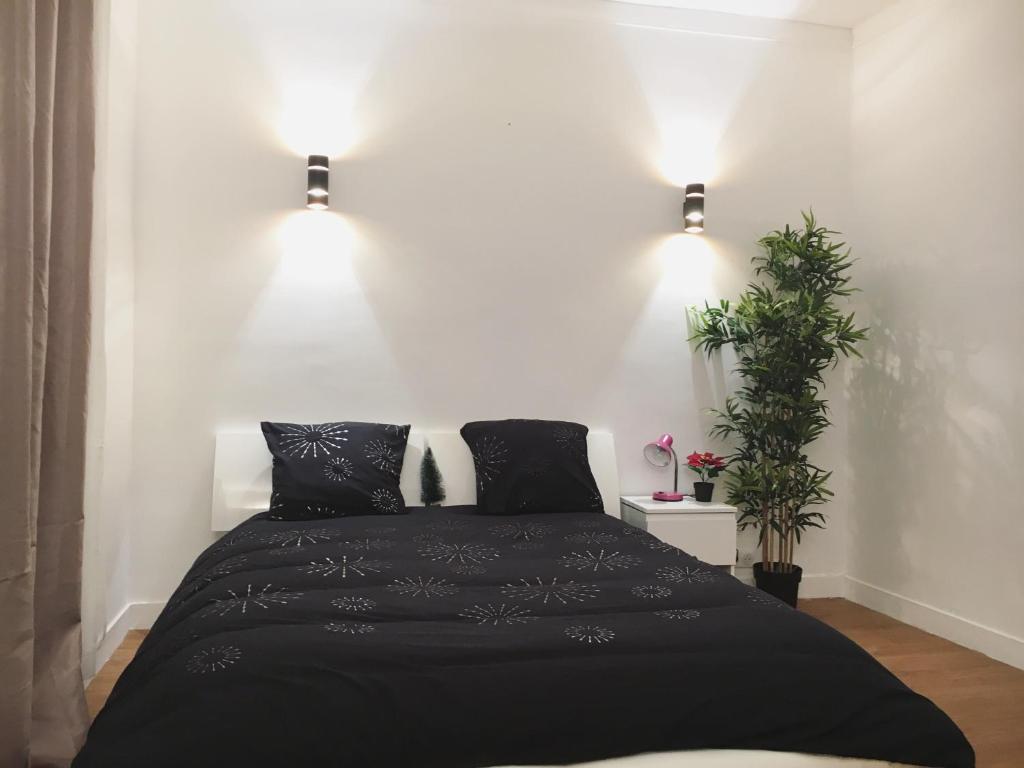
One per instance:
(936, 412)
(504, 233)
(106, 578)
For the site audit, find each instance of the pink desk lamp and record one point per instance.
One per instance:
(660, 454)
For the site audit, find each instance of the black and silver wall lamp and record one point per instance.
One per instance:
(693, 209)
(316, 182)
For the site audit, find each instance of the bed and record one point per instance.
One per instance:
(448, 638)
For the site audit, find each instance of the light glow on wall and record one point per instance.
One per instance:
(688, 149)
(687, 266)
(694, 110)
(316, 246)
(316, 119)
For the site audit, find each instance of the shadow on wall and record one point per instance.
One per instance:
(478, 191)
(754, 196)
(908, 453)
(496, 267)
(499, 238)
(759, 179)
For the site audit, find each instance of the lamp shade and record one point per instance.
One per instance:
(659, 453)
(693, 214)
(693, 209)
(317, 169)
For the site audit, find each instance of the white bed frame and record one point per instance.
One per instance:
(241, 488)
(242, 472)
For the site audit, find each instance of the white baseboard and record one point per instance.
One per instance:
(144, 614)
(132, 616)
(112, 638)
(970, 634)
(811, 585)
(823, 585)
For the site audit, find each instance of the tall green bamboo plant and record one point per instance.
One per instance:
(786, 330)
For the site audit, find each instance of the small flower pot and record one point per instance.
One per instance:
(703, 491)
(784, 586)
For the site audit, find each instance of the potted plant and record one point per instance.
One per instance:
(707, 466)
(786, 331)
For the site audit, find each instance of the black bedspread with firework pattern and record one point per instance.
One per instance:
(444, 638)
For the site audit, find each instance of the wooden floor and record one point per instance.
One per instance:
(984, 697)
(101, 685)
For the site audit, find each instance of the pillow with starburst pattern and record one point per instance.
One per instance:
(336, 469)
(528, 465)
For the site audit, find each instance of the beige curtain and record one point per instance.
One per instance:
(46, 168)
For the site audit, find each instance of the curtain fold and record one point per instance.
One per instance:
(47, 138)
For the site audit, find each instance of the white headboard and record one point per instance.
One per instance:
(242, 469)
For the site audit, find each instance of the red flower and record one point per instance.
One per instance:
(706, 464)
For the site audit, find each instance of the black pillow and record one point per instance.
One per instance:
(336, 469)
(525, 466)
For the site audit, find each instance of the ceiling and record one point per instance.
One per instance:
(834, 13)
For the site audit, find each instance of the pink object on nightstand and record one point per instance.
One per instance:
(667, 496)
(660, 454)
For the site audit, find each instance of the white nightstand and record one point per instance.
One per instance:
(707, 530)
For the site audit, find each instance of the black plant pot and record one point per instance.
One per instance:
(703, 491)
(778, 584)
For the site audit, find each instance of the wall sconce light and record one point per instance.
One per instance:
(693, 209)
(316, 182)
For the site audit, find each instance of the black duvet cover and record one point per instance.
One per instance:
(444, 638)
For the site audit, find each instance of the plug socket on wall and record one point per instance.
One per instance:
(746, 559)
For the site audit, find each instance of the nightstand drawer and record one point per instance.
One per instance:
(710, 537)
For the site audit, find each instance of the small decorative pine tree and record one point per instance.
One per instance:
(431, 482)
